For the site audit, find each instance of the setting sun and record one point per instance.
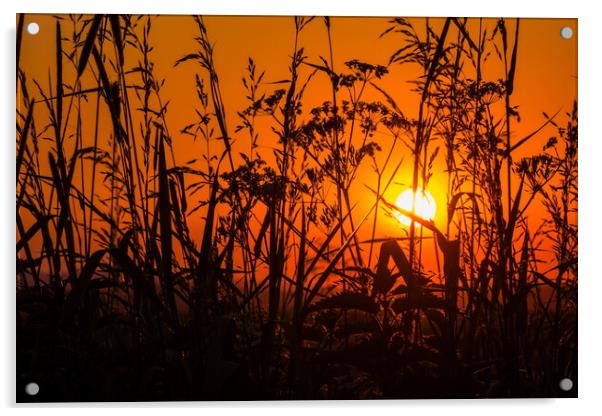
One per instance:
(425, 206)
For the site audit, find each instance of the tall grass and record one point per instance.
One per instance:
(122, 297)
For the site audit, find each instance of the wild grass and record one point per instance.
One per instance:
(121, 297)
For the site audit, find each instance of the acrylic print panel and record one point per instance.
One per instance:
(254, 208)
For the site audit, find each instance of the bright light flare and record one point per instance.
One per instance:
(425, 206)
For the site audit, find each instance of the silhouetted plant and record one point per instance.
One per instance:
(242, 274)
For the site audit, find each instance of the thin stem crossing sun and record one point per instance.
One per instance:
(422, 205)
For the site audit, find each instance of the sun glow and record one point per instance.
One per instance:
(425, 206)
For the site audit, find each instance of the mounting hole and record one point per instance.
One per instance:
(32, 389)
(566, 33)
(33, 28)
(566, 384)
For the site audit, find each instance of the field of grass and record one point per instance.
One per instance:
(260, 272)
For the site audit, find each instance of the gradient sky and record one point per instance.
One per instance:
(546, 77)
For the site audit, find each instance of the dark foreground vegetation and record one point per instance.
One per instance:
(287, 291)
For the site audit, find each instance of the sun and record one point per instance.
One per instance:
(425, 206)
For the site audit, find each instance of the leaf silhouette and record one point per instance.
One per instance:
(89, 42)
(346, 300)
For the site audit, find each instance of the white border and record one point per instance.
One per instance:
(590, 230)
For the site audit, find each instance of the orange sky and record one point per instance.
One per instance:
(546, 78)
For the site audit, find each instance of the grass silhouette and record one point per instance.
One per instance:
(288, 291)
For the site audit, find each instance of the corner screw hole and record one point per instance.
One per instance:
(32, 389)
(33, 28)
(566, 33)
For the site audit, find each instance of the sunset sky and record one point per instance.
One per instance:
(545, 80)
